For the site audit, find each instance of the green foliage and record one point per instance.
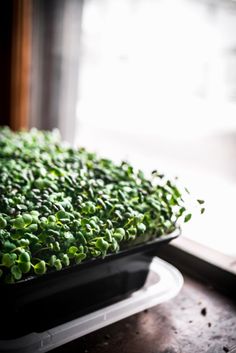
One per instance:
(60, 206)
(8, 260)
(25, 266)
(40, 268)
(3, 223)
(187, 217)
(58, 264)
(16, 272)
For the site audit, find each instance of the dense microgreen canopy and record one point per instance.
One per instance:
(60, 206)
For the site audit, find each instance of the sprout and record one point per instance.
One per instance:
(60, 206)
(8, 260)
(40, 268)
(58, 264)
(25, 266)
(3, 223)
(16, 272)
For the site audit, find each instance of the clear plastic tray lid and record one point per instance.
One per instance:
(163, 283)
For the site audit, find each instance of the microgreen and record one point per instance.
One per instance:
(60, 206)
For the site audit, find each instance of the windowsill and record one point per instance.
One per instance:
(226, 262)
(202, 263)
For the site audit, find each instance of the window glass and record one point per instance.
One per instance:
(157, 87)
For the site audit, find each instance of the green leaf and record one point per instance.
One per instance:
(141, 227)
(202, 210)
(187, 191)
(33, 239)
(79, 257)
(24, 257)
(27, 218)
(176, 192)
(40, 268)
(8, 246)
(16, 236)
(19, 223)
(119, 234)
(21, 207)
(121, 195)
(95, 253)
(16, 272)
(8, 260)
(56, 246)
(65, 260)
(101, 203)
(72, 251)
(24, 242)
(52, 219)
(62, 216)
(181, 211)
(32, 228)
(52, 260)
(102, 244)
(187, 217)
(24, 266)
(3, 223)
(58, 264)
(132, 231)
(114, 245)
(201, 202)
(35, 214)
(108, 235)
(89, 207)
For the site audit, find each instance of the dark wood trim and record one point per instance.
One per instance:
(20, 64)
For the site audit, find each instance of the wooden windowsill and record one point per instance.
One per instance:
(210, 255)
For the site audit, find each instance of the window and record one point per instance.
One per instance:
(157, 86)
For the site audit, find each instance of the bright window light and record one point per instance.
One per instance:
(157, 87)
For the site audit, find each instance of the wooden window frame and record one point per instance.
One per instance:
(15, 62)
(20, 64)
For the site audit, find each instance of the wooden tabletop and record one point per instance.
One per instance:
(197, 320)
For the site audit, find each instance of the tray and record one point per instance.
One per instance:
(76, 290)
(163, 283)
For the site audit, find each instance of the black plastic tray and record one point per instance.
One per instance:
(39, 303)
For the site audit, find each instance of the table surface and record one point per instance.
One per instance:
(197, 320)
